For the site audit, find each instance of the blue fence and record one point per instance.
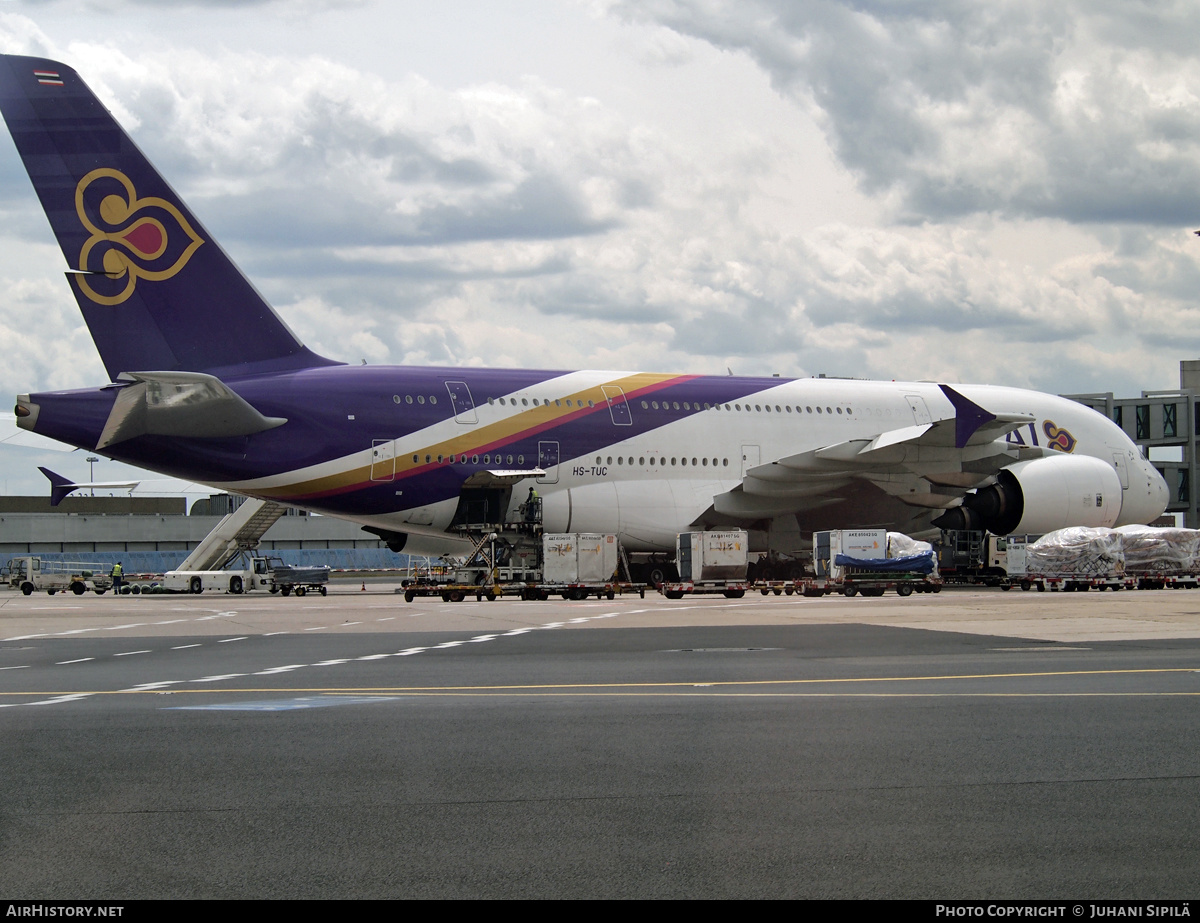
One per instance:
(158, 562)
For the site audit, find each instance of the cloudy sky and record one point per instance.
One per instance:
(1001, 192)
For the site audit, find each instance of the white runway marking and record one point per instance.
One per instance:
(408, 652)
(224, 614)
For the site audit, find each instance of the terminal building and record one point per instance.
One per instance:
(1166, 424)
(155, 534)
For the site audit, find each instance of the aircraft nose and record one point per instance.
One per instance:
(1162, 492)
(1158, 494)
(1146, 497)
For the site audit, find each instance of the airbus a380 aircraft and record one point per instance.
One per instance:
(209, 385)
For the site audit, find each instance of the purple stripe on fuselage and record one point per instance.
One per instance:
(578, 434)
(319, 404)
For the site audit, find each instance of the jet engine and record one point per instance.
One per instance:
(393, 539)
(1040, 496)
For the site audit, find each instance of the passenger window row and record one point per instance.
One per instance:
(646, 405)
(656, 461)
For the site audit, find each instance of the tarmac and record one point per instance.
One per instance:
(971, 744)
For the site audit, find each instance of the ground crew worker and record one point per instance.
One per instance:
(118, 577)
(533, 506)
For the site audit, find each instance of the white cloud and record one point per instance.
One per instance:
(1072, 110)
(401, 219)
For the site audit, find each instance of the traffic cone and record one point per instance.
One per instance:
(364, 589)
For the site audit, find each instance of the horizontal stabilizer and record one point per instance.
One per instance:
(190, 405)
(59, 485)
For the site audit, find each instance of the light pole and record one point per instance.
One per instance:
(91, 460)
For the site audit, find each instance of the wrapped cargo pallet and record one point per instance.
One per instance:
(900, 545)
(901, 555)
(1160, 551)
(1077, 552)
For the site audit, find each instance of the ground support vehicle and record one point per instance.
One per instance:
(710, 562)
(869, 583)
(1068, 561)
(457, 592)
(979, 558)
(778, 587)
(731, 589)
(253, 574)
(517, 559)
(30, 573)
(1071, 583)
(1074, 583)
(856, 561)
(288, 578)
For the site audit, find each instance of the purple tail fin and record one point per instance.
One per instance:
(156, 291)
(59, 485)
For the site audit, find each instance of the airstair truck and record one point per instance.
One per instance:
(250, 573)
(225, 561)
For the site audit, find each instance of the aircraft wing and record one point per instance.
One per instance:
(927, 465)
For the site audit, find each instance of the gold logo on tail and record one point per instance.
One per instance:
(137, 243)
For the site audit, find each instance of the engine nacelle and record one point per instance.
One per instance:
(393, 539)
(1040, 496)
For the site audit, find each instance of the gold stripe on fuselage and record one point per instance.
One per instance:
(477, 439)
